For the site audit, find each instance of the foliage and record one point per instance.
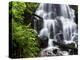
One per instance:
(24, 39)
(17, 10)
(30, 9)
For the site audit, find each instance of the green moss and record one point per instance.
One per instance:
(24, 39)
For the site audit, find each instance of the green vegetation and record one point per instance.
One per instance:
(24, 39)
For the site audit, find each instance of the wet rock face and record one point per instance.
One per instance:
(53, 52)
(43, 37)
(43, 42)
(47, 53)
(37, 23)
(46, 6)
(59, 37)
(40, 25)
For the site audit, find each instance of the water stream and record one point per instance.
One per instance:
(57, 20)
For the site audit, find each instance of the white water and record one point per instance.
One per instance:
(50, 23)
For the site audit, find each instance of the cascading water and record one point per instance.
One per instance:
(57, 20)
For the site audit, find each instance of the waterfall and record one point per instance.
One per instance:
(57, 20)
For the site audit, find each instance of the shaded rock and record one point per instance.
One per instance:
(53, 51)
(37, 22)
(43, 42)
